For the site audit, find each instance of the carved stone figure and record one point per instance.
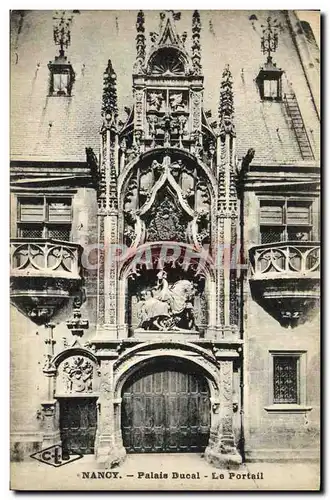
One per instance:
(167, 307)
(78, 375)
(152, 312)
(177, 102)
(155, 100)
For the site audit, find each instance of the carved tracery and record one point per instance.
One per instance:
(166, 221)
(167, 200)
(166, 62)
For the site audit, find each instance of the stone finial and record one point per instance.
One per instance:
(226, 105)
(196, 45)
(167, 31)
(109, 98)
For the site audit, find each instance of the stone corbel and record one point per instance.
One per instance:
(215, 405)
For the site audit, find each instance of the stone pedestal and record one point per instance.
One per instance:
(222, 452)
(108, 454)
(153, 335)
(51, 429)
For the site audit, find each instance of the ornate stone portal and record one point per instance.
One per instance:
(167, 224)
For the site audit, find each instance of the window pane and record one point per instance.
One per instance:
(64, 81)
(59, 233)
(270, 88)
(298, 213)
(59, 210)
(56, 82)
(31, 209)
(31, 232)
(60, 83)
(286, 379)
(271, 212)
(271, 234)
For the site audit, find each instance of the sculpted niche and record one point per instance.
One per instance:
(166, 201)
(170, 299)
(167, 307)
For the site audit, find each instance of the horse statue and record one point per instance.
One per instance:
(167, 307)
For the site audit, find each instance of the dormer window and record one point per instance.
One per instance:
(61, 77)
(269, 81)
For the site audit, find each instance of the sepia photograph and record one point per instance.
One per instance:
(165, 250)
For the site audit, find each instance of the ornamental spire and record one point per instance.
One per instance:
(269, 39)
(62, 30)
(226, 105)
(196, 44)
(140, 43)
(109, 98)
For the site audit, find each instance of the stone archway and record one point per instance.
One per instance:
(146, 357)
(166, 408)
(216, 368)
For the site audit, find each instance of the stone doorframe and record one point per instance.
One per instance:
(218, 370)
(50, 404)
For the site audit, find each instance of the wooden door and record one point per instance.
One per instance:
(78, 421)
(166, 410)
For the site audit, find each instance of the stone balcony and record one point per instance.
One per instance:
(285, 279)
(45, 273)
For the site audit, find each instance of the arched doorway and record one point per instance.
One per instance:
(166, 408)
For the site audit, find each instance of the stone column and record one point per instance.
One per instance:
(107, 451)
(122, 324)
(110, 275)
(107, 197)
(222, 451)
(227, 217)
(50, 407)
(211, 301)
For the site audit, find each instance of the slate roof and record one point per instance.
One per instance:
(60, 128)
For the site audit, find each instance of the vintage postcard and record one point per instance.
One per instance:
(165, 250)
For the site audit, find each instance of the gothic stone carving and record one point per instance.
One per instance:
(156, 100)
(76, 376)
(165, 223)
(170, 200)
(167, 307)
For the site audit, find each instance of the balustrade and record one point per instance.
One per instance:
(272, 260)
(45, 257)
